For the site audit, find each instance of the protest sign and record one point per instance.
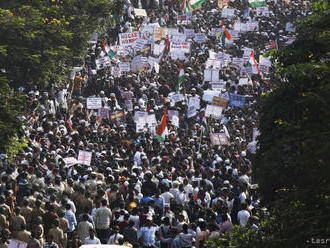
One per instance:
(124, 67)
(148, 33)
(176, 97)
(192, 111)
(252, 26)
(103, 113)
(214, 31)
(173, 116)
(219, 101)
(140, 115)
(129, 104)
(236, 100)
(219, 139)
(240, 27)
(209, 94)
(180, 47)
(102, 62)
(243, 81)
(139, 44)
(115, 71)
(227, 13)
(69, 161)
(160, 33)
(200, 37)
(207, 75)
(93, 102)
(128, 38)
(140, 12)
(194, 101)
(214, 111)
(218, 85)
(215, 75)
(262, 11)
(190, 33)
(84, 157)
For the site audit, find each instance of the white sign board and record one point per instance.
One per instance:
(94, 102)
(84, 157)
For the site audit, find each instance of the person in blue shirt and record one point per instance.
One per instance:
(71, 217)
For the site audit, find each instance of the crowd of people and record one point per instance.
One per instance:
(137, 189)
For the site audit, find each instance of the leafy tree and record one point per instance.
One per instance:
(11, 108)
(40, 39)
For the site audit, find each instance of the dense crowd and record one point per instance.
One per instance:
(138, 190)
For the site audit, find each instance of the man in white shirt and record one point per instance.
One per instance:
(243, 215)
(92, 240)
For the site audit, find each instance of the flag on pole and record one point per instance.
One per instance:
(257, 3)
(180, 80)
(194, 4)
(161, 131)
(254, 64)
(110, 53)
(228, 36)
(185, 6)
(165, 51)
(205, 126)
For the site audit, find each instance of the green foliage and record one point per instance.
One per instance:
(11, 107)
(38, 37)
(15, 146)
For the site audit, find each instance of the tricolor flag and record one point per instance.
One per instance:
(228, 36)
(257, 3)
(254, 64)
(205, 126)
(194, 4)
(161, 131)
(185, 6)
(225, 35)
(165, 51)
(110, 53)
(180, 80)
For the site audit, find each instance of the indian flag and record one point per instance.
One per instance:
(254, 64)
(185, 6)
(194, 4)
(257, 3)
(165, 51)
(180, 80)
(161, 131)
(205, 126)
(110, 52)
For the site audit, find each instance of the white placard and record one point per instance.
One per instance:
(228, 13)
(125, 67)
(190, 33)
(200, 37)
(180, 47)
(214, 111)
(84, 157)
(128, 38)
(177, 98)
(140, 12)
(209, 94)
(93, 102)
